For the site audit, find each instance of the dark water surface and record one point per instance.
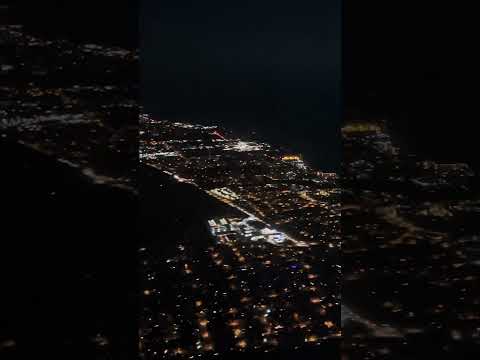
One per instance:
(268, 67)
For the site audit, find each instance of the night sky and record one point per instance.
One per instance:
(267, 66)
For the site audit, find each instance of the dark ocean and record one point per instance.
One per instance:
(265, 67)
(83, 21)
(286, 84)
(296, 122)
(403, 63)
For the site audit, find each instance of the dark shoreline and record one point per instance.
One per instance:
(69, 262)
